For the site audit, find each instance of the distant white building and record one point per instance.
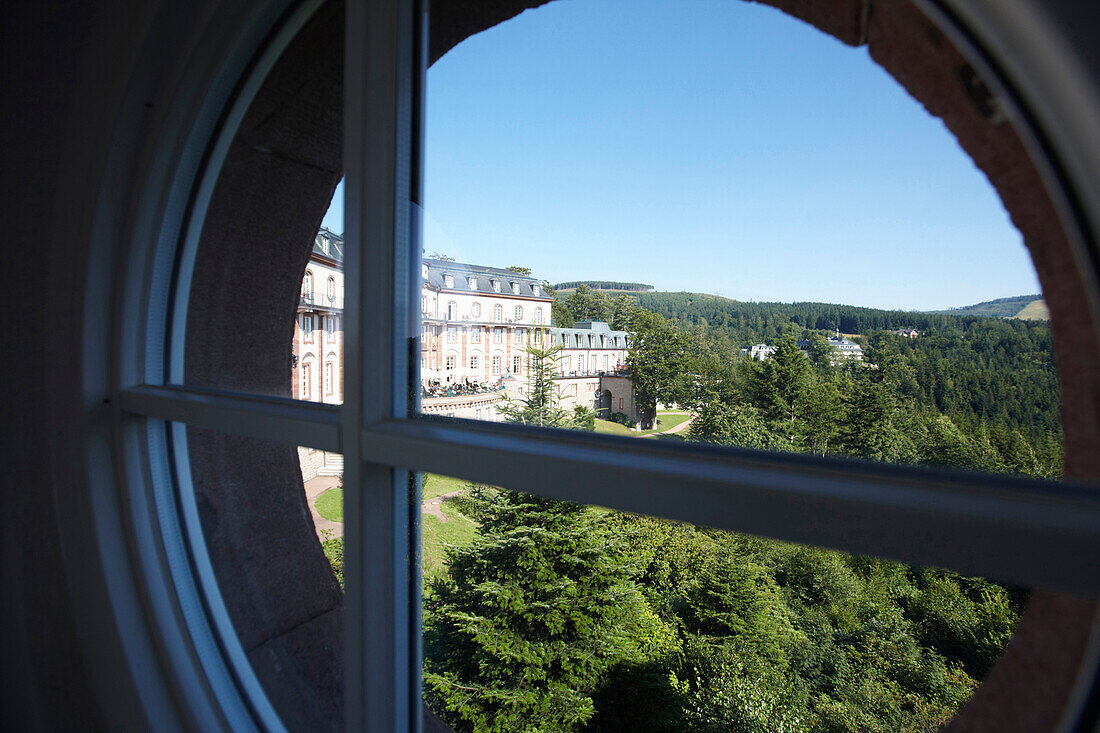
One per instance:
(909, 333)
(760, 352)
(843, 348)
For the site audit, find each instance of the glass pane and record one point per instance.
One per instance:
(271, 518)
(317, 356)
(689, 244)
(544, 615)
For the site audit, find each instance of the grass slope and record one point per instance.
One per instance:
(435, 485)
(1036, 310)
(664, 422)
(999, 308)
(435, 536)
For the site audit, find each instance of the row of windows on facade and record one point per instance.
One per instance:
(305, 377)
(307, 286)
(565, 363)
(327, 322)
(498, 335)
(449, 281)
(475, 310)
(517, 335)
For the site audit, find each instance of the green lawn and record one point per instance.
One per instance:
(612, 428)
(436, 535)
(664, 422)
(330, 505)
(435, 485)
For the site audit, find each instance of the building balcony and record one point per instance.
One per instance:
(320, 302)
(480, 321)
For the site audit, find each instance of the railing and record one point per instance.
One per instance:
(596, 373)
(481, 321)
(448, 393)
(319, 300)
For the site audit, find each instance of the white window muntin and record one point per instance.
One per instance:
(973, 523)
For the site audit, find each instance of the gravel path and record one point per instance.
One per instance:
(314, 488)
(432, 506)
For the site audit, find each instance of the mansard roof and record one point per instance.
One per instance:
(578, 336)
(462, 271)
(329, 244)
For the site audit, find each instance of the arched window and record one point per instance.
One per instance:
(538, 316)
(307, 287)
(330, 289)
(475, 309)
(519, 313)
(847, 511)
(498, 313)
(452, 310)
(305, 379)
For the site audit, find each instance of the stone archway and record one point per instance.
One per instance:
(603, 408)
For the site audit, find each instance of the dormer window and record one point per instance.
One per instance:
(449, 281)
(472, 282)
(496, 285)
(515, 288)
(535, 290)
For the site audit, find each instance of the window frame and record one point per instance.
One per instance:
(1027, 531)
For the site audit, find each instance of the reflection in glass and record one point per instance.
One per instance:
(546, 615)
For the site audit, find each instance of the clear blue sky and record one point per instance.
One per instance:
(705, 145)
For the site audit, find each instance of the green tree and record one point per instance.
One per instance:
(531, 616)
(820, 351)
(587, 304)
(869, 429)
(539, 405)
(659, 362)
(782, 389)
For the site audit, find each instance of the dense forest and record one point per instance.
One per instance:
(603, 285)
(991, 377)
(559, 617)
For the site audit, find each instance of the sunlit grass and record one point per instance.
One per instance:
(330, 505)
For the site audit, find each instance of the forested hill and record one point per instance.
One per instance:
(764, 322)
(975, 369)
(604, 285)
(999, 308)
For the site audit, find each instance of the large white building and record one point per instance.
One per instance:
(477, 322)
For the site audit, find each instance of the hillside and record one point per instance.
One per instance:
(974, 368)
(1036, 310)
(999, 308)
(605, 285)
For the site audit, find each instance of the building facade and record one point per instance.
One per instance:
(477, 323)
(317, 351)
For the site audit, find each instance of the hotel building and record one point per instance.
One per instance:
(477, 322)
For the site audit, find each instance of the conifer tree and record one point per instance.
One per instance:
(539, 405)
(532, 614)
